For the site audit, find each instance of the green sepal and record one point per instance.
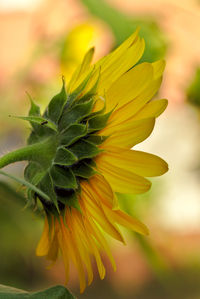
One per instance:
(74, 203)
(34, 111)
(98, 122)
(77, 92)
(97, 139)
(56, 105)
(83, 170)
(63, 177)
(92, 163)
(101, 111)
(91, 93)
(50, 220)
(27, 184)
(84, 149)
(47, 186)
(31, 172)
(31, 200)
(34, 174)
(71, 201)
(75, 114)
(39, 121)
(72, 134)
(65, 157)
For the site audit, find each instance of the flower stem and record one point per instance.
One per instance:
(41, 152)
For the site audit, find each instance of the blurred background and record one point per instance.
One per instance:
(43, 39)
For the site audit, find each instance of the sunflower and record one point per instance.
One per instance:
(80, 154)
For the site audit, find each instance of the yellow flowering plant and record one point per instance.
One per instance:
(80, 153)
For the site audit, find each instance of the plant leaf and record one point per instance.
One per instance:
(97, 139)
(71, 200)
(27, 184)
(56, 105)
(65, 157)
(75, 114)
(47, 186)
(63, 178)
(39, 120)
(55, 292)
(83, 149)
(83, 170)
(98, 122)
(72, 134)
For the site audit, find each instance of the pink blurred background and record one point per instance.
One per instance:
(32, 33)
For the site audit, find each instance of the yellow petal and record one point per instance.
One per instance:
(112, 66)
(119, 63)
(73, 250)
(63, 244)
(152, 109)
(127, 112)
(103, 191)
(128, 221)
(121, 59)
(138, 162)
(95, 251)
(82, 243)
(129, 85)
(53, 251)
(44, 243)
(95, 211)
(123, 181)
(119, 51)
(82, 71)
(158, 68)
(128, 134)
(101, 240)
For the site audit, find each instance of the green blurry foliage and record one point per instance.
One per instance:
(193, 91)
(123, 26)
(56, 292)
(19, 235)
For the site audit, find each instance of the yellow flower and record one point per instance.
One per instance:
(123, 91)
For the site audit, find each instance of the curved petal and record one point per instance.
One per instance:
(45, 242)
(123, 181)
(129, 85)
(128, 111)
(128, 134)
(138, 162)
(127, 221)
(152, 109)
(82, 71)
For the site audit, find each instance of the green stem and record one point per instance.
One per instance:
(41, 152)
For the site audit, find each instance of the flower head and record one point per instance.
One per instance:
(80, 154)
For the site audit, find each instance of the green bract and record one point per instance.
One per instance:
(61, 148)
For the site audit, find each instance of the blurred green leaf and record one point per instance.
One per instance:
(56, 292)
(193, 92)
(123, 26)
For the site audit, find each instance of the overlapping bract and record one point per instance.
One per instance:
(66, 135)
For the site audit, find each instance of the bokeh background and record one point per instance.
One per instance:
(43, 39)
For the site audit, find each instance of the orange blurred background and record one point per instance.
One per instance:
(40, 41)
